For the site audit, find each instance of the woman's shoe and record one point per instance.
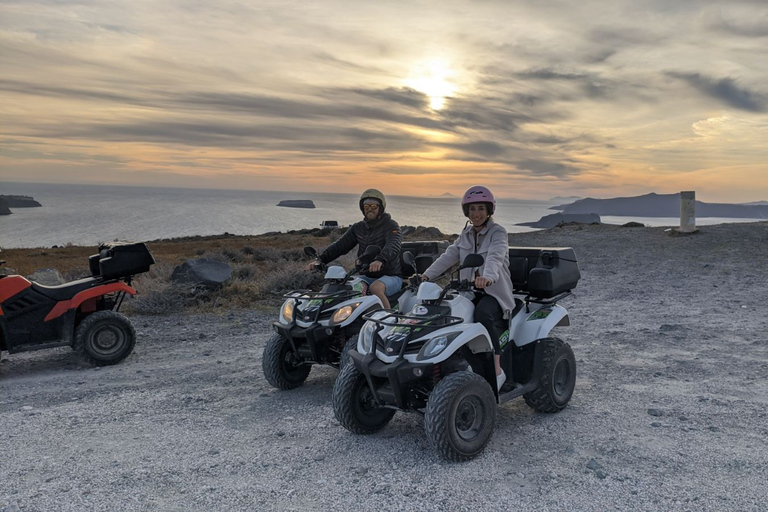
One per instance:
(500, 378)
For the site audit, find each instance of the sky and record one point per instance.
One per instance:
(533, 99)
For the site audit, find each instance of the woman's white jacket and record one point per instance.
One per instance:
(492, 242)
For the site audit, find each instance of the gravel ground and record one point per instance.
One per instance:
(669, 411)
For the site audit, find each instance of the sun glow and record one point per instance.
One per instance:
(433, 79)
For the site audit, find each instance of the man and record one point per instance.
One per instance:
(376, 228)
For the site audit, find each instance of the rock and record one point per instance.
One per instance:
(4, 210)
(297, 203)
(550, 221)
(655, 412)
(47, 277)
(20, 201)
(601, 474)
(633, 224)
(209, 274)
(594, 465)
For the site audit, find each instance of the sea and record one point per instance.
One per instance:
(87, 215)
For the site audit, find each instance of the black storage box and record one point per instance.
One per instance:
(424, 252)
(121, 259)
(543, 272)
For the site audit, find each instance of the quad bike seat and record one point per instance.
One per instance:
(67, 290)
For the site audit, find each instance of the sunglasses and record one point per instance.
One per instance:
(370, 207)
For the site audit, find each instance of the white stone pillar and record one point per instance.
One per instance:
(688, 212)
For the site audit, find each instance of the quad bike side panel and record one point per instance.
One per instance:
(66, 305)
(526, 328)
(24, 321)
(10, 286)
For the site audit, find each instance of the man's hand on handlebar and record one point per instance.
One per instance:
(375, 266)
(313, 265)
(481, 282)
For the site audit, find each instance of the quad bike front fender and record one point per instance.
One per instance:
(97, 291)
(526, 328)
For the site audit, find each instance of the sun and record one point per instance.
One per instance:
(433, 79)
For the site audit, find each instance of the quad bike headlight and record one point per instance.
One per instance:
(366, 336)
(436, 345)
(343, 313)
(287, 311)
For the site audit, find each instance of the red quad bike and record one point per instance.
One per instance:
(82, 314)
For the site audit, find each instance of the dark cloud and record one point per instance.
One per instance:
(623, 37)
(756, 27)
(52, 91)
(344, 64)
(230, 135)
(485, 149)
(725, 90)
(549, 74)
(546, 168)
(403, 96)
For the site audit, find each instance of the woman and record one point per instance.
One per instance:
(483, 236)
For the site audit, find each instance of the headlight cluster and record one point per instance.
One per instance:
(366, 336)
(436, 345)
(287, 311)
(343, 313)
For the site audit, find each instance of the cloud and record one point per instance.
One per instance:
(725, 90)
(546, 168)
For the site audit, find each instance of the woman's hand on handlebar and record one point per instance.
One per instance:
(313, 265)
(481, 282)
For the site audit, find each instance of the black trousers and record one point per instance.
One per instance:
(490, 315)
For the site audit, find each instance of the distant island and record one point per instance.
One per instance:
(297, 203)
(7, 202)
(661, 205)
(568, 199)
(550, 221)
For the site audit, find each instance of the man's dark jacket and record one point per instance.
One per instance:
(383, 232)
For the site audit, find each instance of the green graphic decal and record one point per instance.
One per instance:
(504, 338)
(538, 315)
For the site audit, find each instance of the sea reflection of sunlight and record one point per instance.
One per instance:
(432, 78)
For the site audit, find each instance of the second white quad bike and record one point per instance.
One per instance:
(436, 360)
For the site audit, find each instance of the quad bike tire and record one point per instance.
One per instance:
(351, 344)
(460, 416)
(281, 366)
(354, 405)
(105, 337)
(558, 377)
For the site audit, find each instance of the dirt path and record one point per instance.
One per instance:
(669, 411)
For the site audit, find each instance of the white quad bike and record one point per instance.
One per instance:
(436, 360)
(321, 327)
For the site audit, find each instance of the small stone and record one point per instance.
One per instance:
(714, 429)
(683, 418)
(213, 451)
(656, 424)
(655, 412)
(601, 474)
(318, 458)
(552, 474)
(279, 433)
(202, 336)
(594, 465)
(26, 407)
